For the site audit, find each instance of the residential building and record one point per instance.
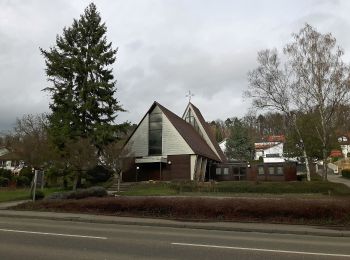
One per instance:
(344, 141)
(10, 161)
(270, 150)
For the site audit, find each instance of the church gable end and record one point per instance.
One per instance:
(173, 142)
(156, 135)
(193, 116)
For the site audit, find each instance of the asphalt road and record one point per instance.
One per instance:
(47, 239)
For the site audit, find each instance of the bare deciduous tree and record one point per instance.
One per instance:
(111, 158)
(271, 88)
(29, 139)
(322, 79)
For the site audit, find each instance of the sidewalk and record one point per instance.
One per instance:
(222, 226)
(338, 179)
(5, 205)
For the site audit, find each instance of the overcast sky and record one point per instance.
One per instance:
(166, 48)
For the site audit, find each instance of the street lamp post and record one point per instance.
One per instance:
(137, 171)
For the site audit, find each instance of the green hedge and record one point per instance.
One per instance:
(78, 194)
(318, 187)
(4, 182)
(6, 174)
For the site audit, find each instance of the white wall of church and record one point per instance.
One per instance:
(138, 143)
(172, 142)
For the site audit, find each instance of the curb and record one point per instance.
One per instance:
(226, 226)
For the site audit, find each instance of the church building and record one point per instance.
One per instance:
(167, 147)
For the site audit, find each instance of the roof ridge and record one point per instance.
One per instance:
(209, 132)
(187, 131)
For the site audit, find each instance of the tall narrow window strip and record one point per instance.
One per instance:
(155, 133)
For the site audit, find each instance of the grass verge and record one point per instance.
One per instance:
(7, 194)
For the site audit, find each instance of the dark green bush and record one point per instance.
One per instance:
(4, 182)
(301, 177)
(98, 174)
(6, 173)
(27, 172)
(78, 194)
(22, 181)
(90, 192)
(39, 194)
(58, 195)
(346, 173)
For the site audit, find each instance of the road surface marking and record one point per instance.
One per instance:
(261, 250)
(50, 234)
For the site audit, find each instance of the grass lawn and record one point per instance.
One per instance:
(151, 189)
(228, 188)
(7, 194)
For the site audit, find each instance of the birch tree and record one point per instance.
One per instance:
(271, 88)
(322, 80)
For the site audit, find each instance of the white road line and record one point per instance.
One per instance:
(261, 250)
(49, 234)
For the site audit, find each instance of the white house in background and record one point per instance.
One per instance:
(271, 150)
(9, 160)
(3, 162)
(3, 151)
(344, 142)
(222, 145)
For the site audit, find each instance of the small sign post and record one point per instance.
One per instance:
(34, 183)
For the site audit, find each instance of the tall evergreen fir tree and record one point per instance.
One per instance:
(83, 92)
(239, 146)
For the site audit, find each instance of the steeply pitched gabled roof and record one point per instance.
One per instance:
(3, 151)
(208, 131)
(191, 136)
(188, 133)
(7, 155)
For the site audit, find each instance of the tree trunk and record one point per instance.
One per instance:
(118, 183)
(325, 168)
(308, 174)
(324, 146)
(76, 182)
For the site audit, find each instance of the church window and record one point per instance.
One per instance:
(155, 133)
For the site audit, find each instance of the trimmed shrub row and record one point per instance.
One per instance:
(320, 187)
(325, 211)
(78, 194)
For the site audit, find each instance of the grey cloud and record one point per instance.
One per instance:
(165, 49)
